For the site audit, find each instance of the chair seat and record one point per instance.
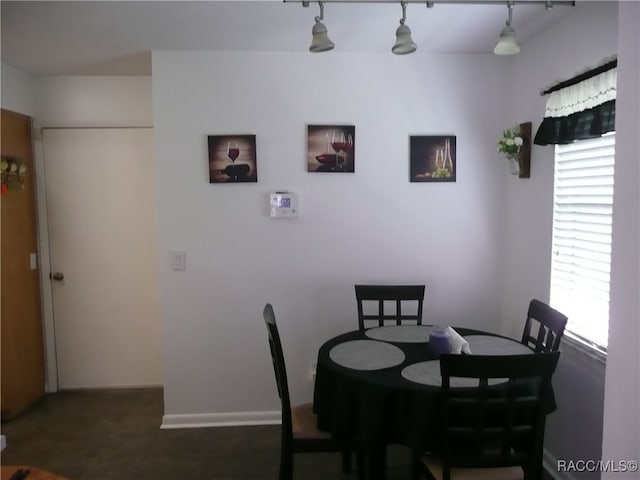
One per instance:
(503, 473)
(304, 423)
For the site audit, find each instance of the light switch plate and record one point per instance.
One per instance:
(33, 261)
(178, 260)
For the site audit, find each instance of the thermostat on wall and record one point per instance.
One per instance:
(284, 204)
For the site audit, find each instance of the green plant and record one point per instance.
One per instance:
(510, 143)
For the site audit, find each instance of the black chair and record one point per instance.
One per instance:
(550, 327)
(299, 427)
(491, 431)
(403, 296)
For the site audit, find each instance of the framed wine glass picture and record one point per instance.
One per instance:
(232, 158)
(331, 148)
(432, 158)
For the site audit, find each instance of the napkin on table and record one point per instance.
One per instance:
(458, 343)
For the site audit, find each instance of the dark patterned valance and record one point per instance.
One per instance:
(584, 108)
(589, 123)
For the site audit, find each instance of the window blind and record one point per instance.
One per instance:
(582, 224)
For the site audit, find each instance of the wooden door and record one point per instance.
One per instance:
(22, 341)
(101, 218)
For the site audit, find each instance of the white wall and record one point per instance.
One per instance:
(581, 40)
(622, 394)
(95, 101)
(17, 90)
(586, 36)
(371, 226)
(71, 101)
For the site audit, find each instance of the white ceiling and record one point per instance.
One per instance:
(115, 37)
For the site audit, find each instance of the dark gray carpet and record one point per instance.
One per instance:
(115, 435)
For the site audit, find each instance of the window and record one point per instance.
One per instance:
(582, 219)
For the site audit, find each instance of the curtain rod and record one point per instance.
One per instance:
(431, 3)
(581, 77)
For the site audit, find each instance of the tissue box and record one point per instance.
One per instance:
(439, 343)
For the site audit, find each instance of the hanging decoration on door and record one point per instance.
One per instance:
(12, 174)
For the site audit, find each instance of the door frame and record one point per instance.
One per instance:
(44, 262)
(44, 252)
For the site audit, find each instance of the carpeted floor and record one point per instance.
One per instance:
(115, 435)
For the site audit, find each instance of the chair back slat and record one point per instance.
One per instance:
(407, 303)
(279, 368)
(497, 423)
(550, 325)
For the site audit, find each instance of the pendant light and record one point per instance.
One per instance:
(404, 44)
(320, 41)
(507, 44)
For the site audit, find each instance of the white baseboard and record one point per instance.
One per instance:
(221, 419)
(550, 464)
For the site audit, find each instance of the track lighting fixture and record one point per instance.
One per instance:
(507, 44)
(320, 41)
(404, 44)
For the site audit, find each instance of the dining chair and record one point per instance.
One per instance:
(550, 325)
(407, 301)
(493, 430)
(299, 427)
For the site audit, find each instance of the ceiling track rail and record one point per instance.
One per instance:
(547, 3)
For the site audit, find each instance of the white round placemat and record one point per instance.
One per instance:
(490, 345)
(428, 373)
(400, 333)
(366, 355)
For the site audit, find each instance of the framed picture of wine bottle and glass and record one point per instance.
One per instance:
(331, 148)
(232, 158)
(432, 158)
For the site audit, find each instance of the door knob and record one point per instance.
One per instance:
(58, 276)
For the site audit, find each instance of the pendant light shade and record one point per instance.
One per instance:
(320, 41)
(507, 44)
(404, 43)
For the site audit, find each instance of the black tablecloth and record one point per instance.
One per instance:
(379, 405)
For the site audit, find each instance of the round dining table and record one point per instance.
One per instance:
(383, 384)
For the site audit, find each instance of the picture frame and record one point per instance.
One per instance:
(232, 158)
(432, 158)
(331, 148)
